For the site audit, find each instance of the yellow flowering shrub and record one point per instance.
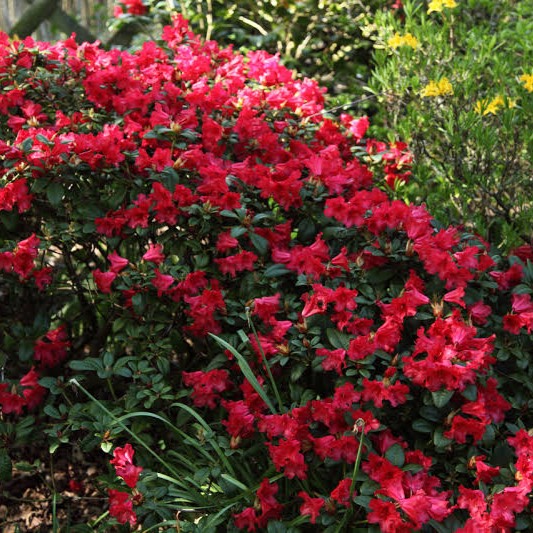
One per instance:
(472, 139)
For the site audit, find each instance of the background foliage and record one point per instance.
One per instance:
(472, 145)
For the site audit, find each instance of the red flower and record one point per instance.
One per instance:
(117, 263)
(287, 456)
(464, 427)
(240, 422)
(104, 280)
(226, 242)
(270, 508)
(341, 493)
(479, 312)
(10, 401)
(133, 7)
(484, 472)
(121, 507)
(334, 359)
(33, 393)
(317, 303)
(154, 254)
(24, 256)
(207, 386)
(266, 307)
(236, 263)
(161, 282)
(473, 501)
(506, 504)
(124, 467)
(357, 126)
(75, 486)
(379, 391)
(246, 519)
(311, 506)
(388, 517)
(42, 277)
(51, 349)
(202, 309)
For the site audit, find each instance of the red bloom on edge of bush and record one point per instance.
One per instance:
(124, 467)
(121, 507)
(132, 7)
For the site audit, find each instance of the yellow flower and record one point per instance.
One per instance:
(445, 87)
(439, 5)
(434, 88)
(527, 80)
(410, 40)
(398, 40)
(484, 107)
(395, 41)
(431, 89)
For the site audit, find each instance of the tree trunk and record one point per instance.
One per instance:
(69, 25)
(32, 18)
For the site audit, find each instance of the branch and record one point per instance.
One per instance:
(124, 35)
(69, 25)
(32, 18)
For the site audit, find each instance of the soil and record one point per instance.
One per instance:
(67, 476)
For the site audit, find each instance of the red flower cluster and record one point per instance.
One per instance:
(132, 7)
(121, 503)
(31, 394)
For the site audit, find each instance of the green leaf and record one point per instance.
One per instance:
(422, 426)
(470, 393)
(44, 140)
(54, 193)
(139, 302)
(6, 467)
(237, 231)
(441, 397)
(234, 481)
(437, 526)
(9, 219)
(106, 446)
(86, 364)
(51, 411)
(439, 439)
(260, 243)
(276, 527)
(246, 370)
(26, 347)
(395, 455)
(274, 271)
(338, 339)
(27, 144)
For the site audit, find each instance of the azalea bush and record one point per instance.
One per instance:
(212, 286)
(454, 79)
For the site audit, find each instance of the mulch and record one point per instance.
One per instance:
(27, 499)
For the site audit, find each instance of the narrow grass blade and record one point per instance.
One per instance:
(247, 371)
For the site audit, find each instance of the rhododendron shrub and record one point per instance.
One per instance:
(195, 258)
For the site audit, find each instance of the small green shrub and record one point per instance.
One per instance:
(471, 136)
